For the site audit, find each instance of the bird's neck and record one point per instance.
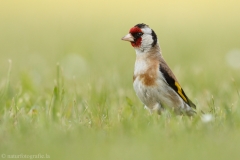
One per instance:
(146, 60)
(148, 51)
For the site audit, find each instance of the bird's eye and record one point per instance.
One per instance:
(137, 35)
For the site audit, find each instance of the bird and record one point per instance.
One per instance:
(153, 81)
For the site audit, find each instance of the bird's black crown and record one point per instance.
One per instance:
(141, 25)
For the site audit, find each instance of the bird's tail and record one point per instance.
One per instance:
(191, 104)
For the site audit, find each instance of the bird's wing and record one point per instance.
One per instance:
(173, 83)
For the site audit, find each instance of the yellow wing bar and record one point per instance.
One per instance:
(180, 92)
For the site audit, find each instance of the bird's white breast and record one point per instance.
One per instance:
(146, 87)
(140, 66)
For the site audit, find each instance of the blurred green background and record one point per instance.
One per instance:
(67, 59)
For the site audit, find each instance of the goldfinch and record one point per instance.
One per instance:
(153, 81)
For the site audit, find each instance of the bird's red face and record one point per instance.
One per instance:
(137, 34)
(134, 36)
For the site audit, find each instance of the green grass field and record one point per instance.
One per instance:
(66, 80)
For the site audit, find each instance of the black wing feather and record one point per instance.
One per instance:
(175, 86)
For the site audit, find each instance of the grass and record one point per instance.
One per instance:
(66, 81)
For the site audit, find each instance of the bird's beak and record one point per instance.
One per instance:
(128, 37)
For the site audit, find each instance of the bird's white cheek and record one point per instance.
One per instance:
(147, 40)
(146, 43)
